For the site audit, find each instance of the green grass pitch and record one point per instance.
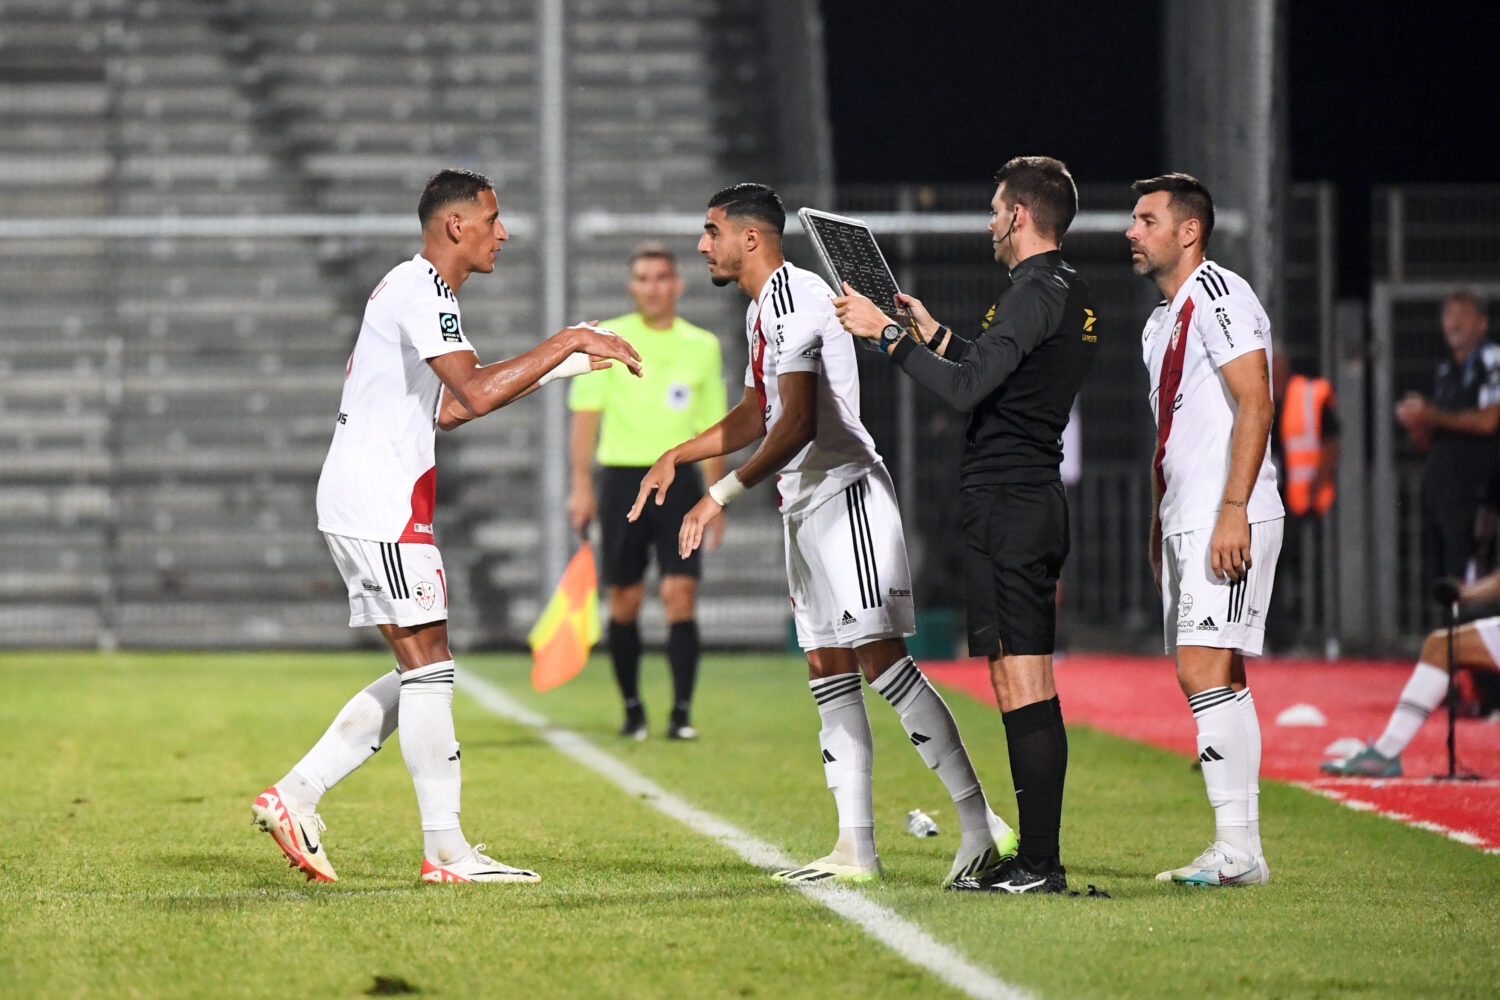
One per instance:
(130, 868)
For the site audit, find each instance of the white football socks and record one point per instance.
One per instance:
(431, 753)
(361, 726)
(1223, 752)
(1424, 692)
(930, 727)
(848, 753)
(1251, 722)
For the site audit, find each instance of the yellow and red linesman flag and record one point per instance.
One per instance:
(569, 626)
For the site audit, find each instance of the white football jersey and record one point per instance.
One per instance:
(379, 480)
(1214, 319)
(792, 327)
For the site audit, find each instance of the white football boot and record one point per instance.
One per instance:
(474, 867)
(987, 858)
(831, 867)
(296, 833)
(1220, 865)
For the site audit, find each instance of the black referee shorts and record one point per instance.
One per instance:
(627, 545)
(1015, 541)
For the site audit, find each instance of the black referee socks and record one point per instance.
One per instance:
(1038, 746)
(625, 654)
(682, 655)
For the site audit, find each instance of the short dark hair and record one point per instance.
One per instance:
(1468, 296)
(1189, 198)
(654, 251)
(1045, 187)
(752, 201)
(450, 185)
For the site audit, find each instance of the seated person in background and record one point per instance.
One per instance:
(1476, 646)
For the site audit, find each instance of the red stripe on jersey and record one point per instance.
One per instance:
(1167, 385)
(758, 366)
(423, 500)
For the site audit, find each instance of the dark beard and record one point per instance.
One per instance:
(719, 281)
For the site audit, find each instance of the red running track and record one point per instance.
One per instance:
(1137, 697)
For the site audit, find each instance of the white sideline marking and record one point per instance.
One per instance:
(1464, 837)
(881, 923)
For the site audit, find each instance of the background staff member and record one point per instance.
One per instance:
(635, 420)
(1459, 428)
(1017, 377)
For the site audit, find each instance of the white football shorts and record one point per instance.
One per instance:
(1199, 609)
(391, 583)
(847, 570)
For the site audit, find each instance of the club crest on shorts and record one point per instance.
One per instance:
(1185, 611)
(424, 593)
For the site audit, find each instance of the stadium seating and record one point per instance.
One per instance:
(168, 398)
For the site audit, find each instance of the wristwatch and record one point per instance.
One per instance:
(889, 336)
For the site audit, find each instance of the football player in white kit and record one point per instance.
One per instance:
(845, 553)
(1216, 516)
(411, 372)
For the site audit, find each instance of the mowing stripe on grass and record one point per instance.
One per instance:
(884, 925)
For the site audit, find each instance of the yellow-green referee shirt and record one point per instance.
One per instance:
(680, 393)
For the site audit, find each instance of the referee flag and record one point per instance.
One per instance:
(569, 625)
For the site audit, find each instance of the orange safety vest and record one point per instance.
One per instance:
(1302, 442)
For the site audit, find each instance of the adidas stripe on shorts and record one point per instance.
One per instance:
(391, 583)
(1199, 609)
(847, 570)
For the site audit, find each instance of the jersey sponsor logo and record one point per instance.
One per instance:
(679, 396)
(1224, 323)
(371, 586)
(897, 592)
(342, 418)
(1089, 337)
(448, 324)
(814, 353)
(989, 317)
(421, 529)
(424, 593)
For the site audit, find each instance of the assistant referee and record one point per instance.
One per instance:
(680, 392)
(1017, 377)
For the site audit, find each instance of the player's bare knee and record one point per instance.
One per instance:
(1435, 649)
(875, 658)
(830, 661)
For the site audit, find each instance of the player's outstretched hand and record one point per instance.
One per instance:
(658, 478)
(1229, 546)
(859, 315)
(704, 513)
(605, 345)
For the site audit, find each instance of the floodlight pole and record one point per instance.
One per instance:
(552, 218)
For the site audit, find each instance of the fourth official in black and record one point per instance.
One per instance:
(1017, 377)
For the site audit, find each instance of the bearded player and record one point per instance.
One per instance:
(845, 552)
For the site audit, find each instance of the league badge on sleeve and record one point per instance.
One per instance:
(448, 324)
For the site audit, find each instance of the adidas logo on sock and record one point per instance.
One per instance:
(828, 758)
(917, 739)
(1210, 754)
(848, 619)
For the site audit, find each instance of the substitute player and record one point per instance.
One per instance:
(1016, 378)
(412, 371)
(634, 420)
(1216, 517)
(845, 553)
(1476, 646)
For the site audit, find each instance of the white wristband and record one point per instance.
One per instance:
(574, 364)
(726, 489)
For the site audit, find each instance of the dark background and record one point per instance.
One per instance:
(1379, 92)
